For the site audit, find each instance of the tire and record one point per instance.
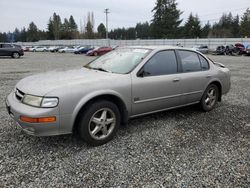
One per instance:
(15, 55)
(210, 98)
(95, 54)
(99, 122)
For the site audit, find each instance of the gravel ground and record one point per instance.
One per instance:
(177, 148)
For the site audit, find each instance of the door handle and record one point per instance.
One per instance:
(176, 80)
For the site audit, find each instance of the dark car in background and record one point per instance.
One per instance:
(220, 50)
(99, 51)
(248, 50)
(14, 51)
(84, 50)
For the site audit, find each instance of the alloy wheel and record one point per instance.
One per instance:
(211, 96)
(16, 55)
(102, 124)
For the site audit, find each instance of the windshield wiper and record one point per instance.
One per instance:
(101, 69)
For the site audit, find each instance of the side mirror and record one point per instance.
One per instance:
(141, 73)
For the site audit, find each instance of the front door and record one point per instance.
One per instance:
(157, 85)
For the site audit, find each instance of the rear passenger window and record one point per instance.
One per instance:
(190, 61)
(162, 63)
(7, 46)
(204, 63)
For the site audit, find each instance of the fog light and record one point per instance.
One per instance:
(38, 120)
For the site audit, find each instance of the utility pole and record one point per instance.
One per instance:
(106, 11)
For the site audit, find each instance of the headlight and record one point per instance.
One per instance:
(32, 100)
(43, 102)
(49, 102)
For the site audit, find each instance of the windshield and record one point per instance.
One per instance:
(121, 61)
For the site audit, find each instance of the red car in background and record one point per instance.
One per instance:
(99, 51)
(239, 49)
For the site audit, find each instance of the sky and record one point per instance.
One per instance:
(124, 13)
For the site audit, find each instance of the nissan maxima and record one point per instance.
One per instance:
(126, 83)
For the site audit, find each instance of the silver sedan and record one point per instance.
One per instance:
(125, 83)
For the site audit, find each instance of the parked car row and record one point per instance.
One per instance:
(237, 49)
(88, 50)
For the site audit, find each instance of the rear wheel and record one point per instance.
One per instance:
(95, 54)
(99, 122)
(15, 55)
(210, 98)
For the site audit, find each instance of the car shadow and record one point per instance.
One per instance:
(176, 123)
(74, 140)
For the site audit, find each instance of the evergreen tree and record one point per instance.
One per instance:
(236, 27)
(245, 24)
(3, 37)
(66, 30)
(73, 28)
(205, 30)
(166, 19)
(142, 30)
(192, 28)
(16, 35)
(90, 26)
(23, 35)
(101, 29)
(32, 33)
(50, 32)
(54, 27)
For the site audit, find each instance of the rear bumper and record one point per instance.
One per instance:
(16, 109)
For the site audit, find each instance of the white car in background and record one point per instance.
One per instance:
(40, 49)
(201, 48)
(67, 50)
(52, 48)
(31, 49)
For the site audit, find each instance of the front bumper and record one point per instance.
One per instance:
(16, 109)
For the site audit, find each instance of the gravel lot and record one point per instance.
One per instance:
(177, 148)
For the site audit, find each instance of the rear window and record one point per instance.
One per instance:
(7, 46)
(190, 61)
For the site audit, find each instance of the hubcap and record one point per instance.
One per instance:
(102, 123)
(210, 97)
(16, 55)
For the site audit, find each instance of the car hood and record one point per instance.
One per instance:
(41, 84)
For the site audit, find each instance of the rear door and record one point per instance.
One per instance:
(157, 85)
(6, 49)
(195, 75)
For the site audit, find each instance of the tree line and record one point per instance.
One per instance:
(166, 24)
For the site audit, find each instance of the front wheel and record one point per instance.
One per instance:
(99, 122)
(210, 98)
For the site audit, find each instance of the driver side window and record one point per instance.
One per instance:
(162, 63)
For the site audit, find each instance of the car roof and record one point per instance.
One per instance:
(157, 47)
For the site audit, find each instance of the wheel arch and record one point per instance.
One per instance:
(116, 99)
(219, 85)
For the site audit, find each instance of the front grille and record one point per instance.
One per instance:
(19, 94)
